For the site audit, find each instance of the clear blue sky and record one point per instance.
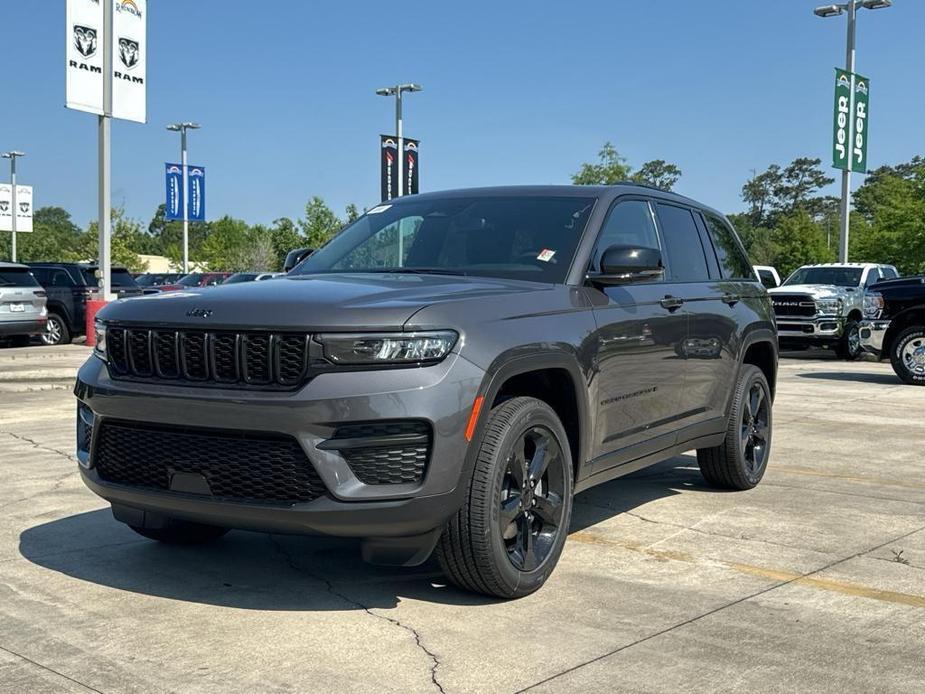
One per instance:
(515, 92)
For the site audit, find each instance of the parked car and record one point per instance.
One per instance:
(196, 279)
(768, 276)
(22, 304)
(69, 285)
(822, 305)
(895, 326)
(239, 277)
(451, 391)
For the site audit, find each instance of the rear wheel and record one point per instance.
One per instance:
(56, 332)
(849, 347)
(908, 355)
(179, 532)
(740, 460)
(507, 537)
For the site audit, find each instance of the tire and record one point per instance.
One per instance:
(56, 331)
(739, 462)
(484, 547)
(180, 532)
(849, 346)
(907, 355)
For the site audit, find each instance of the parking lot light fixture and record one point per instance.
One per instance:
(182, 128)
(850, 8)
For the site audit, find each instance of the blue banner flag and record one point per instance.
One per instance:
(196, 193)
(174, 200)
(194, 197)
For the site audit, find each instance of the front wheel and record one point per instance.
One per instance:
(740, 460)
(849, 346)
(507, 537)
(908, 355)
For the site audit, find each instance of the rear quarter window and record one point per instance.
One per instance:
(732, 261)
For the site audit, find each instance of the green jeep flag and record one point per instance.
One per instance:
(859, 135)
(841, 136)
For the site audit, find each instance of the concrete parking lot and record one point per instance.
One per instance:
(814, 581)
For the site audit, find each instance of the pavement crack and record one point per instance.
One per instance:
(41, 447)
(333, 590)
(51, 670)
(720, 608)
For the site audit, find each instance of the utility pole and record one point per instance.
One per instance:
(105, 160)
(182, 128)
(12, 157)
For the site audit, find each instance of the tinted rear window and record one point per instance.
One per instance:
(732, 260)
(16, 277)
(686, 259)
(120, 278)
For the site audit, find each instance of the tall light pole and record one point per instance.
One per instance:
(12, 157)
(182, 128)
(850, 8)
(397, 91)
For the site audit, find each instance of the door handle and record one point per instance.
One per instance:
(671, 302)
(730, 299)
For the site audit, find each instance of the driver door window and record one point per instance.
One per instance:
(630, 223)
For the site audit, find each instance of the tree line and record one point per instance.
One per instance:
(787, 222)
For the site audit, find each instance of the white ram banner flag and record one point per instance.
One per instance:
(129, 59)
(23, 208)
(84, 35)
(84, 54)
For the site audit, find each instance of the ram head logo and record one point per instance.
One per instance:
(129, 52)
(85, 40)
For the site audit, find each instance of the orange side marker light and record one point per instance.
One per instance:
(474, 417)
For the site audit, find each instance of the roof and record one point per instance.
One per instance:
(576, 191)
(9, 266)
(864, 265)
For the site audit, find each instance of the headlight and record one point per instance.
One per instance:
(99, 330)
(829, 307)
(388, 348)
(873, 304)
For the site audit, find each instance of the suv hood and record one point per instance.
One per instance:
(311, 302)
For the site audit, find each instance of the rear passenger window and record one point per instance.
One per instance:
(60, 278)
(630, 223)
(732, 261)
(686, 259)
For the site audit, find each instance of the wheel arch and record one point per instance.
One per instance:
(901, 321)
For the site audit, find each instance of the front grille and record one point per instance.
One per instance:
(793, 305)
(238, 466)
(198, 357)
(384, 452)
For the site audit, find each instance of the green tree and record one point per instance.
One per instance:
(126, 233)
(612, 168)
(353, 214)
(320, 223)
(285, 237)
(658, 173)
(224, 249)
(798, 241)
(54, 237)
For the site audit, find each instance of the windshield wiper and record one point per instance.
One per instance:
(418, 271)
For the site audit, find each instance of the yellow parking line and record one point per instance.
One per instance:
(845, 588)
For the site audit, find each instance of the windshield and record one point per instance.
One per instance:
(148, 280)
(839, 276)
(527, 238)
(120, 277)
(191, 280)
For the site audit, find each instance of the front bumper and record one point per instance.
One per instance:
(821, 329)
(872, 333)
(441, 395)
(32, 326)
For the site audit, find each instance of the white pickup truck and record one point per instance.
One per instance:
(822, 305)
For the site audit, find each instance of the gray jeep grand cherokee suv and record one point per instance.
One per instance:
(447, 372)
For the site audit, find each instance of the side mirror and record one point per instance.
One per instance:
(629, 264)
(295, 257)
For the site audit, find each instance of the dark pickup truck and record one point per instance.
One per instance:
(895, 326)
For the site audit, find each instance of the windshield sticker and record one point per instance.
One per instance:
(545, 255)
(378, 209)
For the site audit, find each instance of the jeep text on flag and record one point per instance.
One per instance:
(859, 135)
(84, 57)
(849, 137)
(841, 136)
(23, 208)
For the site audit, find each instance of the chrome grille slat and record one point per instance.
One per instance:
(200, 357)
